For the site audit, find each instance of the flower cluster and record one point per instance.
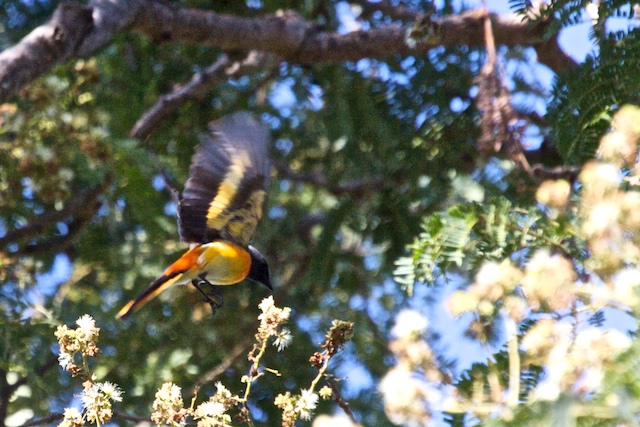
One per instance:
(407, 388)
(575, 363)
(296, 406)
(493, 281)
(96, 397)
(213, 413)
(168, 406)
(96, 401)
(81, 340)
(302, 405)
(548, 281)
(270, 319)
(71, 418)
(548, 289)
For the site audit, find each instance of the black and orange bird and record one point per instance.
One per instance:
(219, 209)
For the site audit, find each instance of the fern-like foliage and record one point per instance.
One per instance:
(586, 97)
(465, 235)
(566, 13)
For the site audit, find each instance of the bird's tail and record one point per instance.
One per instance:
(153, 290)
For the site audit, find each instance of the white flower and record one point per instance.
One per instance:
(410, 324)
(590, 380)
(72, 413)
(89, 396)
(222, 391)
(64, 359)
(283, 339)
(211, 409)
(111, 391)
(169, 392)
(547, 391)
(87, 328)
(306, 404)
(167, 406)
(271, 317)
(600, 218)
(266, 304)
(71, 418)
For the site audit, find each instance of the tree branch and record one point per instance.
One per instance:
(60, 243)
(39, 371)
(337, 397)
(356, 188)
(200, 84)
(45, 420)
(79, 31)
(296, 40)
(5, 396)
(239, 349)
(44, 47)
(81, 203)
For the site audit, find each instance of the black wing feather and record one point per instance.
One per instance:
(237, 141)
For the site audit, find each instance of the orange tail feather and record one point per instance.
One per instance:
(153, 290)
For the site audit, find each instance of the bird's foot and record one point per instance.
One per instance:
(213, 296)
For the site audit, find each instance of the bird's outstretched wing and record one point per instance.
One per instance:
(226, 191)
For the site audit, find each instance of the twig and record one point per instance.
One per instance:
(238, 350)
(45, 420)
(60, 243)
(570, 173)
(39, 371)
(513, 396)
(134, 418)
(199, 85)
(358, 187)
(499, 118)
(80, 204)
(337, 397)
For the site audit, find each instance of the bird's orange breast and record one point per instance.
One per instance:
(224, 263)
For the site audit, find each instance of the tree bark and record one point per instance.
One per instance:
(76, 31)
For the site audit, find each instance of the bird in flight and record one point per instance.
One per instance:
(219, 210)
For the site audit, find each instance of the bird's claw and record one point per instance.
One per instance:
(212, 297)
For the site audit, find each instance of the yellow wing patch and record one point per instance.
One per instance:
(245, 220)
(226, 192)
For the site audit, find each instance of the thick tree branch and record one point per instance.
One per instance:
(79, 31)
(47, 45)
(296, 40)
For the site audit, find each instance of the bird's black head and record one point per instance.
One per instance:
(259, 271)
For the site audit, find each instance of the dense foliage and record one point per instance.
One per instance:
(381, 204)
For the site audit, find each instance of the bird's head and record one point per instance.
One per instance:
(259, 271)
